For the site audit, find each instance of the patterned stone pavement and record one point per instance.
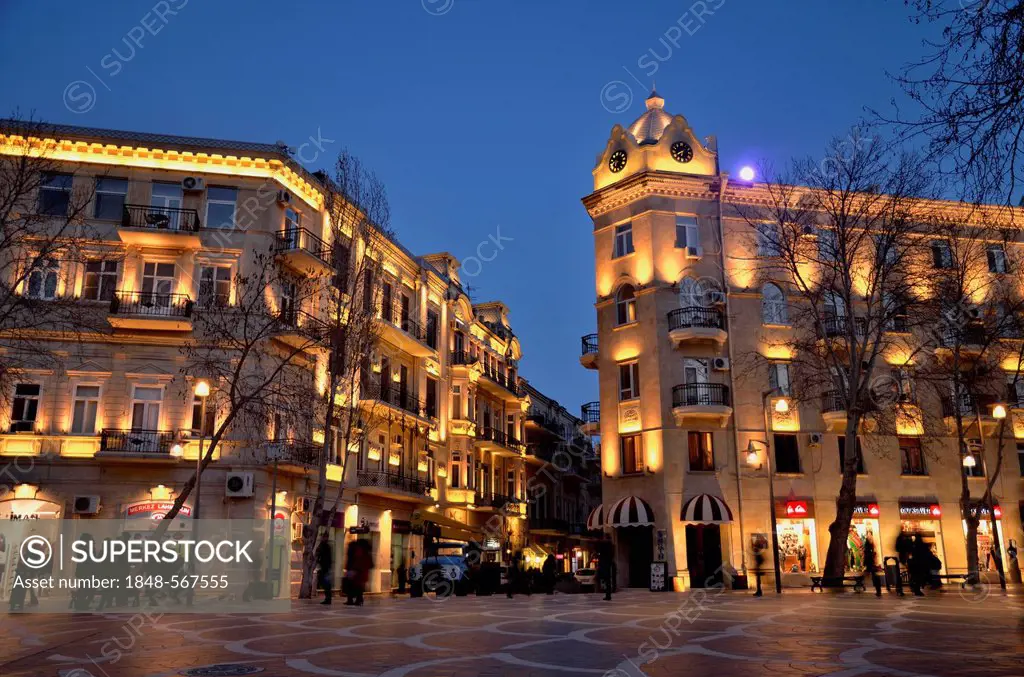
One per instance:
(636, 634)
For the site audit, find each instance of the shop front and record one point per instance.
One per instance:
(142, 517)
(986, 557)
(924, 519)
(798, 538)
(23, 516)
(632, 520)
(864, 528)
(704, 515)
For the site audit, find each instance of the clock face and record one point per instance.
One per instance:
(681, 151)
(617, 162)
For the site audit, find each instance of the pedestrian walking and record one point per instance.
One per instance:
(871, 565)
(605, 568)
(358, 562)
(548, 571)
(515, 571)
(325, 566)
(403, 576)
(920, 565)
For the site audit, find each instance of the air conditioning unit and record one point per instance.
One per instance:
(193, 184)
(86, 505)
(720, 364)
(814, 439)
(284, 197)
(694, 252)
(716, 298)
(239, 485)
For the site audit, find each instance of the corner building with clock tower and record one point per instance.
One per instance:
(680, 305)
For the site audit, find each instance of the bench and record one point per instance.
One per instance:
(858, 582)
(963, 578)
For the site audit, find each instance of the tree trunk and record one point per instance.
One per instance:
(839, 530)
(971, 520)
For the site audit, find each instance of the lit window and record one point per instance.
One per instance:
(220, 207)
(778, 377)
(55, 194)
(42, 280)
(83, 414)
(100, 279)
(214, 286)
(629, 381)
(110, 195)
(146, 408)
(25, 407)
(942, 257)
(623, 240)
(773, 305)
(625, 305)
(203, 421)
(911, 456)
(701, 451)
(157, 284)
(632, 452)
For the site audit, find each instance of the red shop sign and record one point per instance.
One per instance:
(869, 509)
(796, 509)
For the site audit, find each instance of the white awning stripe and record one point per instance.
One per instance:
(595, 520)
(630, 512)
(706, 509)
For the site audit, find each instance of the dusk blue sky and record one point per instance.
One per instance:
(479, 115)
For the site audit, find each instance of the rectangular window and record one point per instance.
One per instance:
(55, 194)
(778, 377)
(828, 245)
(432, 325)
(42, 280)
(457, 402)
(632, 454)
(100, 280)
(431, 398)
(787, 453)
(977, 449)
(842, 455)
(220, 207)
(146, 408)
(215, 286)
(911, 457)
(110, 196)
(157, 283)
(629, 381)
(769, 240)
(702, 454)
(942, 257)
(202, 421)
(687, 232)
(623, 240)
(25, 407)
(167, 198)
(84, 409)
(455, 473)
(997, 259)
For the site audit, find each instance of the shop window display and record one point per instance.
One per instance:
(797, 547)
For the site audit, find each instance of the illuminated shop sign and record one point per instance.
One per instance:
(796, 509)
(866, 510)
(920, 510)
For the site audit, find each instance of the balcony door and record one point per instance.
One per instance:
(695, 371)
(403, 385)
(157, 284)
(405, 313)
(167, 199)
(146, 408)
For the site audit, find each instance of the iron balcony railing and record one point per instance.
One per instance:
(495, 500)
(149, 303)
(462, 358)
(507, 382)
(695, 317)
(968, 335)
(296, 452)
(589, 344)
(966, 405)
(304, 323)
(393, 395)
(136, 441)
(591, 412)
(392, 313)
(381, 479)
(834, 326)
(160, 218)
(300, 239)
(501, 438)
(833, 401)
(545, 422)
(700, 394)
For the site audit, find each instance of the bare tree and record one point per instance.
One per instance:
(973, 313)
(841, 237)
(359, 213)
(968, 93)
(43, 234)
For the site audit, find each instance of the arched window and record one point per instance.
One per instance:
(697, 293)
(625, 305)
(773, 305)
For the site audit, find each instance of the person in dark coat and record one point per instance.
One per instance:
(548, 570)
(403, 576)
(920, 565)
(515, 571)
(325, 566)
(358, 562)
(605, 568)
(871, 566)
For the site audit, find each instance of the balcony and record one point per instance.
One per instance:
(149, 226)
(151, 310)
(398, 329)
(462, 427)
(502, 386)
(395, 485)
(296, 453)
(589, 357)
(543, 428)
(392, 395)
(143, 444)
(511, 505)
(833, 410)
(303, 252)
(968, 341)
(498, 442)
(549, 525)
(701, 402)
(696, 325)
(301, 330)
(590, 414)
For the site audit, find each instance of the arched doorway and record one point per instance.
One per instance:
(633, 520)
(704, 555)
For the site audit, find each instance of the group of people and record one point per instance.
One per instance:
(920, 561)
(358, 562)
(529, 580)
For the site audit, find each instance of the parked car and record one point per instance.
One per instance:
(587, 578)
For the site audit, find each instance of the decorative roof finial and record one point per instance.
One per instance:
(654, 100)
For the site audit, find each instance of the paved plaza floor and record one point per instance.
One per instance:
(637, 633)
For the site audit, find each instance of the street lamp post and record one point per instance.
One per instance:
(782, 406)
(998, 413)
(202, 391)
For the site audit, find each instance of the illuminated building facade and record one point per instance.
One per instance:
(678, 301)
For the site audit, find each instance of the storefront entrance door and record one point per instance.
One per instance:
(639, 543)
(704, 555)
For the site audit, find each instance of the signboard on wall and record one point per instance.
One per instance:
(662, 536)
(659, 576)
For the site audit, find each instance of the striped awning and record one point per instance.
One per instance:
(706, 509)
(595, 520)
(630, 512)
